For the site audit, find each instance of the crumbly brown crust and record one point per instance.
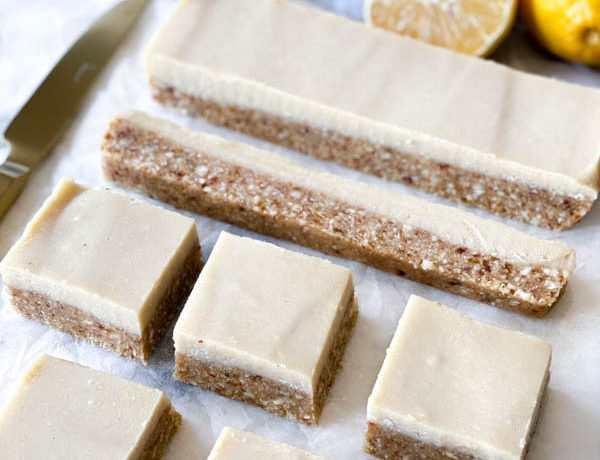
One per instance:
(193, 180)
(274, 396)
(161, 436)
(507, 198)
(78, 323)
(389, 444)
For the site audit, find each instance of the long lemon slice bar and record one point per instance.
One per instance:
(265, 192)
(518, 145)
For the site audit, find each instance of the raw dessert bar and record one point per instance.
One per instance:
(103, 267)
(61, 410)
(267, 326)
(452, 387)
(518, 145)
(262, 191)
(235, 444)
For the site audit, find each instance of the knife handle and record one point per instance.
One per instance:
(13, 177)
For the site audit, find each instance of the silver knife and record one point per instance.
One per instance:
(38, 125)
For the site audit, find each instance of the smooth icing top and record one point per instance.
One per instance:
(235, 444)
(370, 83)
(453, 381)
(102, 252)
(63, 410)
(449, 223)
(264, 309)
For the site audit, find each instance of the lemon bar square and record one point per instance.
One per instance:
(235, 444)
(453, 387)
(62, 410)
(267, 326)
(103, 267)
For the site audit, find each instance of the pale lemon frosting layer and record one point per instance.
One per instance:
(266, 310)
(448, 223)
(235, 444)
(455, 382)
(102, 252)
(61, 410)
(375, 85)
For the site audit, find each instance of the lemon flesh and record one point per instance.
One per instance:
(473, 27)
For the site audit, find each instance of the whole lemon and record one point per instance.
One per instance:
(568, 28)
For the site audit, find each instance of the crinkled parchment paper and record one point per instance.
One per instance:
(34, 33)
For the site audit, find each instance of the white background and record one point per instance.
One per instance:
(33, 35)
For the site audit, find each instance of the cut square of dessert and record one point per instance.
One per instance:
(460, 127)
(61, 410)
(103, 267)
(267, 326)
(235, 444)
(430, 243)
(452, 387)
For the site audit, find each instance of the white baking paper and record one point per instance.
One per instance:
(34, 33)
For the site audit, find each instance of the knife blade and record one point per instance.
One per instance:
(38, 125)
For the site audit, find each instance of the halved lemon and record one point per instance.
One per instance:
(473, 27)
